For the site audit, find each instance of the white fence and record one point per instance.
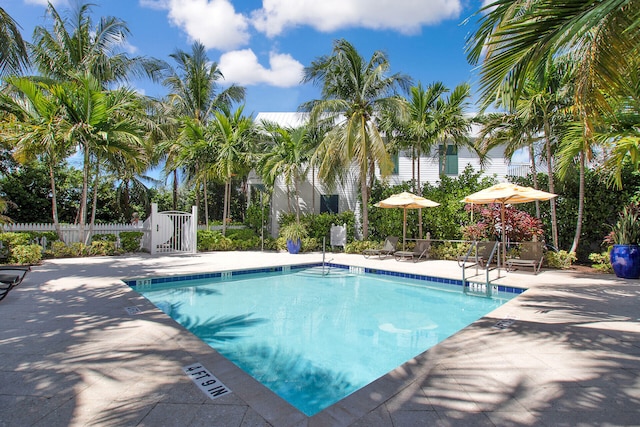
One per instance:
(72, 233)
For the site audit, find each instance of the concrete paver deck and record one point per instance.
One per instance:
(73, 356)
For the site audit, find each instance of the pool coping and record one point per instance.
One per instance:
(352, 406)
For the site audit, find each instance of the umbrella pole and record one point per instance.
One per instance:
(404, 228)
(504, 234)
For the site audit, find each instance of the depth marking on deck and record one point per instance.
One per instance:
(206, 381)
(505, 323)
(133, 310)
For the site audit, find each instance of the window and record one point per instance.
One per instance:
(450, 160)
(329, 203)
(396, 163)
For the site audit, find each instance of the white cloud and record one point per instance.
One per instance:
(55, 3)
(242, 67)
(214, 23)
(405, 16)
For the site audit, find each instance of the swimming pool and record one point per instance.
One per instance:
(315, 339)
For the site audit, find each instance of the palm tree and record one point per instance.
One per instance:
(517, 38)
(99, 121)
(76, 47)
(354, 91)
(451, 126)
(34, 128)
(13, 49)
(194, 95)
(287, 156)
(233, 136)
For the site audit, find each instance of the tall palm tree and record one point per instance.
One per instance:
(13, 49)
(287, 156)
(194, 94)
(76, 47)
(353, 92)
(234, 136)
(99, 121)
(34, 128)
(516, 38)
(451, 126)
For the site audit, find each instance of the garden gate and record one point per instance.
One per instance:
(171, 231)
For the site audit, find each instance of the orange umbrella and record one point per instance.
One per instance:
(406, 201)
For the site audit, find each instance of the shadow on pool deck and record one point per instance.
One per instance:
(72, 355)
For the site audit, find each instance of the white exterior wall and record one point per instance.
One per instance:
(347, 193)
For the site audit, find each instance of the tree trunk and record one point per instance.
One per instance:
(94, 202)
(419, 191)
(206, 204)
(82, 213)
(554, 220)
(534, 175)
(225, 205)
(175, 189)
(576, 238)
(54, 203)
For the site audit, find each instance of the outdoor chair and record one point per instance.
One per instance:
(10, 277)
(531, 255)
(388, 248)
(480, 256)
(420, 251)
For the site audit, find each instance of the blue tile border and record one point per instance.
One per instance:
(155, 280)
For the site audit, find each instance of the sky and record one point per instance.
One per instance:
(265, 45)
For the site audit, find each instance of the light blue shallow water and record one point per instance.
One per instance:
(314, 340)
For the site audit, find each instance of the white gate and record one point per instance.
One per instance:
(172, 231)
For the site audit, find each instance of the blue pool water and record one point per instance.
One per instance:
(315, 339)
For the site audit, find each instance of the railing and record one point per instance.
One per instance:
(494, 255)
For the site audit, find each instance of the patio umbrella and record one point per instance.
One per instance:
(406, 201)
(507, 193)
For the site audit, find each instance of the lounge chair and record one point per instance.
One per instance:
(10, 277)
(421, 250)
(481, 256)
(531, 255)
(388, 248)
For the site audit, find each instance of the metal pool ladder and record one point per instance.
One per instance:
(474, 287)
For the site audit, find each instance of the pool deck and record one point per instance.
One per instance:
(567, 354)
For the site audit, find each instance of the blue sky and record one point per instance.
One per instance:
(264, 45)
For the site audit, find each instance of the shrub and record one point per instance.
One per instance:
(26, 254)
(12, 240)
(560, 259)
(448, 250)
(358, 246)
(104, 238)
(58, 250)
(78, 249)
(130, 240)
(102, 248)
(601, 262)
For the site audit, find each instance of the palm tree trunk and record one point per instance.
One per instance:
(206, 204)
(94, 203)
(54, 203)
(554, 220)
(82, 213)
(175, 189)
(534, 175)
(295, 186)
(576, 238)
(225, 206)
(419, 192)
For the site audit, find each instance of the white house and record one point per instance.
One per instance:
(315, 197)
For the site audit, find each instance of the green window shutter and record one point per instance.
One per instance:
(451, 164)
(396, 164)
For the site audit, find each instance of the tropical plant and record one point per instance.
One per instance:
(354, 92)
(626, 230)
(287, 155)
(233, 135)
(294, 231)
(13, 49)
(193, 100)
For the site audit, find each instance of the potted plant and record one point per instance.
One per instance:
(293, 233)
(625, 237)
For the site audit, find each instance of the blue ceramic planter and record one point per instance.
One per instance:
(294, 247)
(625, 260)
